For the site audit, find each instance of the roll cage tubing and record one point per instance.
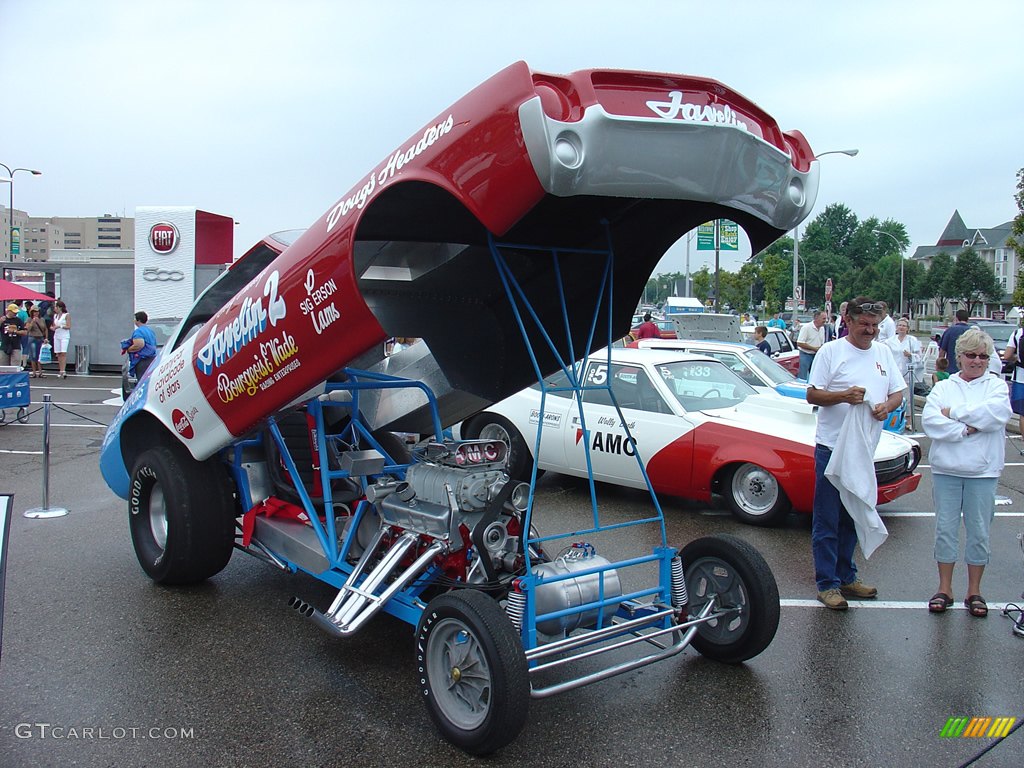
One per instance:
(405, 603)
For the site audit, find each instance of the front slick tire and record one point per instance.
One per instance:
(472, 671)
(180, 515)
(729, 568)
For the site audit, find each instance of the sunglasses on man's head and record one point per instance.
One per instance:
(867, 306)
(975, 355)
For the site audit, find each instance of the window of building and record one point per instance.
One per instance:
(108, 237)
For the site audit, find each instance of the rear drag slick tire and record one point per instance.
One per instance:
(181, 516)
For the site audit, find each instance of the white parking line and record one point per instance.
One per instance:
(918, 605)
(30, 425)
(73, 403)
(932, 514)
(1007, 464)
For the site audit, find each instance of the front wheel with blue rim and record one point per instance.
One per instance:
(733, 574)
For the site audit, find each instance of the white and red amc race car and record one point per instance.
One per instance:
(513, 235)
(699, 428)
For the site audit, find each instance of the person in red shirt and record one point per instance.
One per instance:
(647, 329)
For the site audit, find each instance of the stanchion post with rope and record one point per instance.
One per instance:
(46, 510)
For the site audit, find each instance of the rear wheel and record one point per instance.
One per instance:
(729, 570)
(181, 515)
(755, 495)
(473, 672)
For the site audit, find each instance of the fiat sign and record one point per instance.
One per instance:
(163, 237)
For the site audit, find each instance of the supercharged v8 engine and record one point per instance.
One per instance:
(457, 511)
(460, 494)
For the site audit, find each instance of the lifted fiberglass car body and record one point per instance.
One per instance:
(700, 428)
(513, 235)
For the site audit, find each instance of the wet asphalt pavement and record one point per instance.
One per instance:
(100, 667)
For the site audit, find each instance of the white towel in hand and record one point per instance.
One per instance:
(858, 490)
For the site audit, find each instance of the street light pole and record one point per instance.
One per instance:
(796, 273)
(899, 251)
(796, 265)
(10, 210)
(847, 152)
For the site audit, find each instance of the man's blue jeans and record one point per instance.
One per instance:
(833, 535)
(806, 359)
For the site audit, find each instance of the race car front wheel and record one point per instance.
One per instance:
(755, 495)
(731, 572)
(180, 515)
(472, 671)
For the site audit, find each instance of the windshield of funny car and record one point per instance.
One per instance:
(703, 384)
(775, 372)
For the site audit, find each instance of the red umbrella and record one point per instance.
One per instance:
(15, 292)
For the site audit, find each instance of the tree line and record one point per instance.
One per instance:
(861, 257)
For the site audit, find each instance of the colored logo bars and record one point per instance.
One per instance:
(977, 727)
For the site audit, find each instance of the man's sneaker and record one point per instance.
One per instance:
(858, 590)
(833, 598)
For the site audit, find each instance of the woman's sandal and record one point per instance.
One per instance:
(976, 605)
(939, 603)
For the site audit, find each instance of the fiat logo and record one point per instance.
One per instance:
(163, 237)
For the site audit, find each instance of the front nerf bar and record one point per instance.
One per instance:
(633, 627)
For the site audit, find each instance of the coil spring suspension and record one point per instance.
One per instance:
(516, 606)
(680, 598)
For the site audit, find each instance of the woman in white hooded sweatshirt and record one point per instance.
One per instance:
(965, 417)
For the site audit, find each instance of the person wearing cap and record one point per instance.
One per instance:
(10, 342)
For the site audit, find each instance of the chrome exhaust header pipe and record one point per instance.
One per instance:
(354, 606)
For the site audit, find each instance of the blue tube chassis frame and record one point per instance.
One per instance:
(654, 614)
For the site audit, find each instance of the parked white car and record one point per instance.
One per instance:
(783, 350)
(700, 429)
(749, 363)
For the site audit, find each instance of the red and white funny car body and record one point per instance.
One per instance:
(527, 156)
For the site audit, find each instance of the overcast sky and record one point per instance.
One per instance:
(270, 111)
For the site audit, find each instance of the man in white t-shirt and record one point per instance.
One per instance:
(809, 341)
(848, 371)
(886, 326)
